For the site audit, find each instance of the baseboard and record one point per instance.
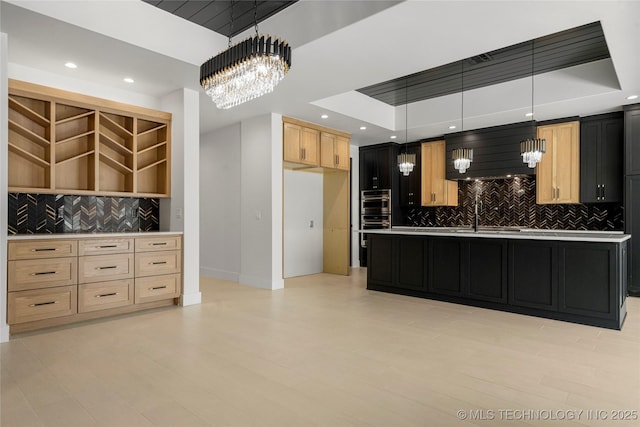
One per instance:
(259, 282)
(191, 299)
(231, 276)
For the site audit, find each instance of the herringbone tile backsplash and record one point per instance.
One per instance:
(44, 213)
(512, 202)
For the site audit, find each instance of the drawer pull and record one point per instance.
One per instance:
(106, 246)
(43, 273)
(158, 287)
(43, 303)
(159, 244)
(43, 249)
(108, 295)
(159, 262)
(107, 268)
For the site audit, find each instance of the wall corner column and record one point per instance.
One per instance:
(4, 190)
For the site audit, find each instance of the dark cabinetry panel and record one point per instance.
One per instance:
(533, 274)
(632, 140)
(376, 167)
(601, 158)
(411, 185)
(587, 279)
(411, 262)
(487, 269)
(632, 226)
(380, 260)
(445, 266)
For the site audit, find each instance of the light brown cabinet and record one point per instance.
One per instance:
(58, 281)
(334, 151)
(301, 144)
(558, 173)
(436, 190)
(63, 142)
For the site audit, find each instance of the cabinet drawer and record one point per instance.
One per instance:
(157, 288)
(104, 295)
(41, 273)
(101, 268)
(28, 306)
(105, 246)
(33, 249)
(162, 243)
(157, 263)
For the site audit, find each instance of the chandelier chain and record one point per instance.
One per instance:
(255, 14)
(231, 29)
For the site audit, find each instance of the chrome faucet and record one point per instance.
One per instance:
(477, 209)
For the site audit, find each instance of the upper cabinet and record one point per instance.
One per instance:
(632, 134)
(66, 143)
(436, 190)
(410, 194)
(601, 158)
(377, 167)
(334, 151)
(558, 174)
(307, 144)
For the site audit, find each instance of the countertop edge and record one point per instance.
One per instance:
(538, 235)
(44, 236)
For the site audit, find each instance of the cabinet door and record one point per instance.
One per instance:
(533, 274)
(380, 259)
(445, 259)
(292, 149)
(411, 263)
(368, 170)
(310, 144)
(410, 186)
(590, 161)
(545, 182)
(567, 163)
(438, 172)
(342, 153)
(327, 144)
(632, 226)
(632, 141)
(426, 154)
(386, 166)
(487, 270)
(588, 279)
(611, 163)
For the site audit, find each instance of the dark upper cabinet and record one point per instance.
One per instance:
(487, 270)
(632, 139)
(601, 158)
(533, 274)
(376, 166)
(411, 185)
(632, 226)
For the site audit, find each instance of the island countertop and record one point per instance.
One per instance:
(509, 233)
(90, 235)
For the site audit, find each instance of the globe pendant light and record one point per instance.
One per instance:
(532, 149)
(247, 70)
(406, 161)
(462, 157)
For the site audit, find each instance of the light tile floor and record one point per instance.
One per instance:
(324, 351)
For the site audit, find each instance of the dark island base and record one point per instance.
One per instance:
(566, 317)
(575, 281)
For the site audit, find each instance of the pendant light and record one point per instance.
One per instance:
(532, 149)
(406, 161)
(462, 157)
(247, 70)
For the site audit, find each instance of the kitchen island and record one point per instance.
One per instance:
(572, 276)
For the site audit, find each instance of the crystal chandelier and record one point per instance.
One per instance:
(462, 158)
(532, 149)
(406, 161)
(247, 70)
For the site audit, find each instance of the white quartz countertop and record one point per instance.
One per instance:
(509, 233)
(100, 235)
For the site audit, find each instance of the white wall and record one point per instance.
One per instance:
(220, 203)
(355, 206)
(261, 202)
(302, 204)
(182, 212)
(4, 328)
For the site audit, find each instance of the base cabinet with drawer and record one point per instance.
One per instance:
(56, 281)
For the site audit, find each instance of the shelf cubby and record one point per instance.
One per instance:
(76, 173)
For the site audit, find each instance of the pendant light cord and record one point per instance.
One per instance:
(533, 119)
(462, 99)
(231, 29)
(255, 14)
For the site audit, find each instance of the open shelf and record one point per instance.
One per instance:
(76, 157)
(76, 117)
(74, 137)
(66, 112)
(120, 125)
(114, 145)
(16, 104)
(28, 156)
(31, 136)
(153, 147)
(120, 167)
(76, 173)
(152, 165)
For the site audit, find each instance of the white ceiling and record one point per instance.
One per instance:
(338, 47)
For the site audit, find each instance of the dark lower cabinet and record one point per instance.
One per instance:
(581, 282)
(444, 264)
(533, 274)
(587, 280)
(632, 226)
(487, 269)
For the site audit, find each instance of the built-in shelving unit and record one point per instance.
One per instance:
(61, 142)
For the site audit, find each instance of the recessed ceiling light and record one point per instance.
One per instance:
(363, 128)
(393, 137)
(324, 116)
(529, 114)
(128, 80)
(452, 127)
(630, 97)
(70, 65)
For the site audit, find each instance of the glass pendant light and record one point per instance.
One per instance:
(462, 157)
(406, 161)
(532, 149)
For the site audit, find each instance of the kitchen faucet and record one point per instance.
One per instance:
(476, 219)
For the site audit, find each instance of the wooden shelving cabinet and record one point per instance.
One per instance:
(62, 142)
